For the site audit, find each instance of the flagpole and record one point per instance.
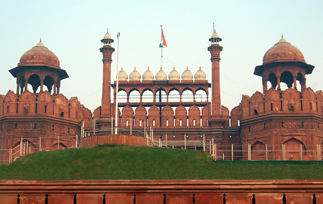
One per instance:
(161, 49)
(117, 88)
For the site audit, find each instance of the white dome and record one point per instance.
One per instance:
(161, 75)
(215, 35)
(107, 36)
(174, 75)
(200, 75)
(148, 75)
(187, 75)
(134, 75)
(122, 76)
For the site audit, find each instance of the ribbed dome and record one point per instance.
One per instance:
(187, 75)
(148, 75)
(122, 76)
(135, 75)
(39, 56)
(200, 75)
(174, 75)
(283, 51)
(161, 75)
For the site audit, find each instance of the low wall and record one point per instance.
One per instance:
(162, 191)
(114, 139)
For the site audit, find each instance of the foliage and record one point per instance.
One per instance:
(139, 162)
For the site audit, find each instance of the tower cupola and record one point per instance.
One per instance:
(107, 40)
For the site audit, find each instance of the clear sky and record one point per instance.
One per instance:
(73, 30)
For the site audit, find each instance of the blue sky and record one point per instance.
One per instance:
(73, 30)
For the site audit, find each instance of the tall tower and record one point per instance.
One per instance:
(215, 50)
(107, 51)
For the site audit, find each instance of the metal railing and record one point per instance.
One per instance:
(34, 144)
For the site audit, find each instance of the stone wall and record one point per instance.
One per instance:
(114, 139)
(163, 191)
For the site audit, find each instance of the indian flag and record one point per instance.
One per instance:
(163, 41)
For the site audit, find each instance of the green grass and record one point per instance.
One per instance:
(138, 162)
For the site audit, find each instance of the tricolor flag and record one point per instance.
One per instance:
(163, 41)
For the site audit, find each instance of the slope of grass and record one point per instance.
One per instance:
(138, 162)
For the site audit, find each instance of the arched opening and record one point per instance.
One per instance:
(200, 95)
(134, 96)
(49, 82)
(161, 95)
(293, 149)
(34, 81)
(174, 96)
(27, 147)
(122, 96)
(288, 79)
(187, 95)
(258, 151)
(273, 80)
(147, 96)
(58, 146)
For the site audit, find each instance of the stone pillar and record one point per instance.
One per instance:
(295, 83)
(41, 85)
(215, 50)
(17, 87)
(107, 51)
(278, 83)
(264, 84)
(26, 83)
(303, 84)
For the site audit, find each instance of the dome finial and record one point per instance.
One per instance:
(40, 44)
(282, 35)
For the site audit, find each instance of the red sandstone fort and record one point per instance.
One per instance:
(172, 108)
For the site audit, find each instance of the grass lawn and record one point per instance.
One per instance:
(139, 162)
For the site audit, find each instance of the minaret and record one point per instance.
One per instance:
(107, 51)
(215, 50)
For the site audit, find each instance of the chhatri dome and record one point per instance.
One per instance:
(161, 75)
(134, 75)
(122, 76)
(148, 75)
(39, 56)
(187, 75)
(283, 51)
(200, 75)
(174, 75)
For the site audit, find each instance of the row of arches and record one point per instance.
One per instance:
(293, 150)
(290, 80)
(174, 95)
(38, 83)
(28, 146)
(164, 117)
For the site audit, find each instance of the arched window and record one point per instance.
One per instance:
(147, 96)
(134, 96)
(187, 95)
(174, 96)
(161, 95)
(34, 81)
(200, 96)
(122, 96)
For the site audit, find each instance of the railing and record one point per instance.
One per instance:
(249, 152)
(36, 144)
